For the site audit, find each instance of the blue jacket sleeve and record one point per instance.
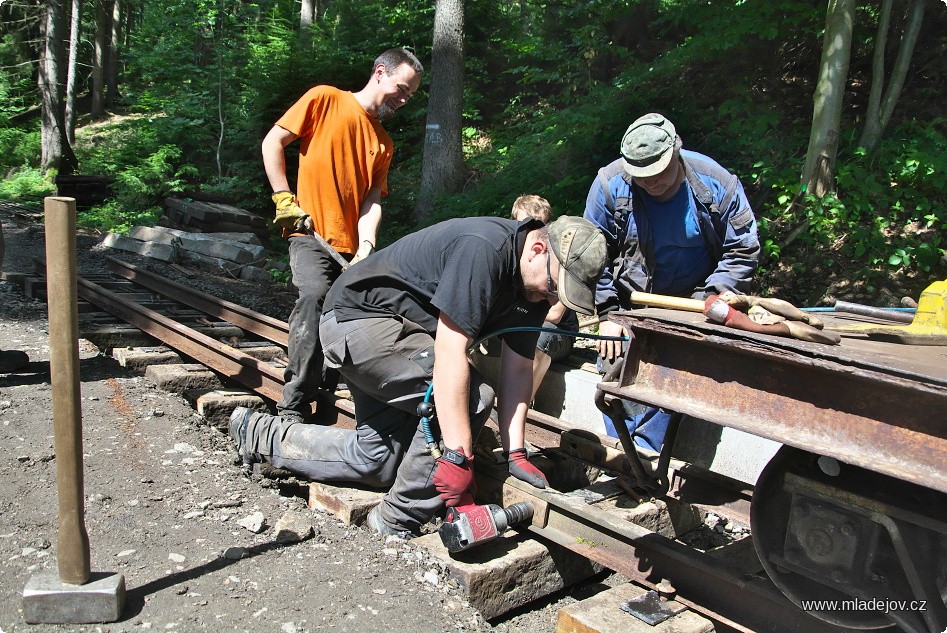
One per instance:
(606, 298)
(740, 249)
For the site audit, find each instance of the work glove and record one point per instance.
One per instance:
(365, 248)
(718, 310)
(520, 468)
(288, 214)
(455, 484)
(747, 303)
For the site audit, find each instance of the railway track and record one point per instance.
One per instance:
(589, 515)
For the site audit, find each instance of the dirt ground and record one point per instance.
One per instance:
(164, 504)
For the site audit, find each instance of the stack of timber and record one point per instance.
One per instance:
(211, 217)
(236, 254)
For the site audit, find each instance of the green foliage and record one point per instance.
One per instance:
(138, 191)
(18, 147)
(890, 209)
(117, 218)
(27, 183)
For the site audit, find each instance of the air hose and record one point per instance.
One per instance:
(426, 411)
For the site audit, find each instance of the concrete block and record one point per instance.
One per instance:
(165, 235)
(510, 571)
(216, 405)
(261, 350)
(350, 505)
(138, 358)
(35, 288)
(48, 600)
(210, 245)
(178, 378)
(161, 252)
(254, 273)
(108, 337)
(239, 253)
(602, 613)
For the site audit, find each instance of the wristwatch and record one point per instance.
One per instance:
(454, 457)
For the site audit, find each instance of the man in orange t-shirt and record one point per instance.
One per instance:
(344, 156)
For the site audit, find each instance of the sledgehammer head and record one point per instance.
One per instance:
(476, 525)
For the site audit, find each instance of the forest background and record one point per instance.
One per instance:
(832, 114)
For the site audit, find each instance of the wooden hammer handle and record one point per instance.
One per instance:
(666, 301)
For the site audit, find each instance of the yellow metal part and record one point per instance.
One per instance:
(929, 326)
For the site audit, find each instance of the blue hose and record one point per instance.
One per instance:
(426, 422)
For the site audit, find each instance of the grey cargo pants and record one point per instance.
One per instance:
(387, 364)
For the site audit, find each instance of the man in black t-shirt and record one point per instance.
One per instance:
(407, 315)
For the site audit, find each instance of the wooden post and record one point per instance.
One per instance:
(73, 542)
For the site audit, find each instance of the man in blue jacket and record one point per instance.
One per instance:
(676, 223)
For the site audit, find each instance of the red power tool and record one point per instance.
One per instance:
(475, 525)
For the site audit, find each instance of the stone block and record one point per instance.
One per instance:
(255, 273)
(602, 613)
(350, 505)
(165, 235)
(510, 571)
(161, 252)
(216, 405)
(179, 378)
(138, 358)
(261, 350)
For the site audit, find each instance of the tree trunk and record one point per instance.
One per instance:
(818, 174)
(880, 110)
(111, 67)
(306, 12)
(443, 169)
(103, 17)
(56, 150)
(74, 29)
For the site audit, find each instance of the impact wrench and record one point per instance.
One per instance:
(470, 525)
(475, 525)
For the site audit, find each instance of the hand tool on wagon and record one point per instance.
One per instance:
(888, 314)
(928, 327)
(764, 315)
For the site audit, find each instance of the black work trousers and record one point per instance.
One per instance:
(388, 364)
(314, 271)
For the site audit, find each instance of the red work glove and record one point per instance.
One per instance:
(524, 471)
(455, 484)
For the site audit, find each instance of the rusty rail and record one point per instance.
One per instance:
(704, 583)
(260, 324)
(242, 368)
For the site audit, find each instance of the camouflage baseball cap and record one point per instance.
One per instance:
(648, 145)
(580, 248)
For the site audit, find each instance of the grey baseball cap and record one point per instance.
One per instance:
(648, 145)
(580, 248)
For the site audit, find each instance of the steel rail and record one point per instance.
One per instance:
(254, 322)
(242, 368)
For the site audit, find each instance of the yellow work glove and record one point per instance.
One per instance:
(365, 249)
(288, 214)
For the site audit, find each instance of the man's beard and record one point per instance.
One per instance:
(385, 112)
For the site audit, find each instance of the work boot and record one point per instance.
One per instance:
(377, 524)
(13, 360)
(239, 421)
